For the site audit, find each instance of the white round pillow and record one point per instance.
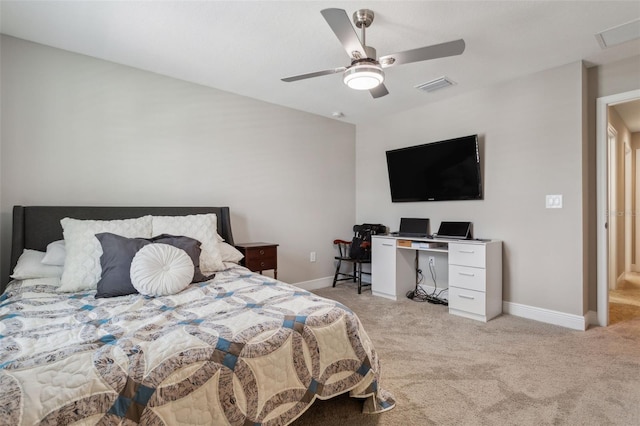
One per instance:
(160, 270)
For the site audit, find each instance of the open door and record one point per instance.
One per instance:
(606, 273)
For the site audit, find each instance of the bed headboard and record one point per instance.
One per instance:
(36, 226)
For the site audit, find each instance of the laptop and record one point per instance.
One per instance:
(454, 230)
(413, 228)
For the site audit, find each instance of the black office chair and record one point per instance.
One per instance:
(356, 252)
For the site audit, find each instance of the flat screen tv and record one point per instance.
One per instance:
(438, 171)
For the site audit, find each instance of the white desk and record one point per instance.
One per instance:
(474, 270)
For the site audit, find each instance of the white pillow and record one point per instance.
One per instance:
(82, 268)
(56, 253)
(230, 253)
(161, 270)
(201, 227)
(30, 265)
(46, 281)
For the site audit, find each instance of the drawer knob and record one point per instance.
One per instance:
(262, 252)
(261, 263)
(464, 296)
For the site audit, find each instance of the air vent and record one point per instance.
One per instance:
(620, 34)
(437, 84)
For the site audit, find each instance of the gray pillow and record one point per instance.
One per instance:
(118, 252)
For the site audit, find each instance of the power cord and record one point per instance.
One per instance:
(419, 295)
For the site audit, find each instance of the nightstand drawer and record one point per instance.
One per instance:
(467, 277)
(260, 256)
(467, 300)
(467, 255)
(262, 252)
(261, 263)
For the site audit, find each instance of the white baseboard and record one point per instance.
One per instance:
(315, 284)
(575, 322)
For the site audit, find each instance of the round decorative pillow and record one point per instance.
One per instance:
(160, 270)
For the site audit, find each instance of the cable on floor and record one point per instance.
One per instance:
(420, 295)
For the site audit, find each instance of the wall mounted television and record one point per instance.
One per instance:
(438, 171)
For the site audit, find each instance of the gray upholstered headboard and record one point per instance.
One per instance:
(36, 226)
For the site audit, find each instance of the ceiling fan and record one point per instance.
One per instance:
(366, 69)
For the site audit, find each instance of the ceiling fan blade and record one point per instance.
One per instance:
(450, 48)
(341, 26)
(379, 91)
(313, 74)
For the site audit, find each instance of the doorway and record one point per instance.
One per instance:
(617, 233)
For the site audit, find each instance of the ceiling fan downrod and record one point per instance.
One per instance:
(362, 19)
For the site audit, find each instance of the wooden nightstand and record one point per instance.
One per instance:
(260, 257)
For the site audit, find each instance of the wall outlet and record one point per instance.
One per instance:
(432, 260)
(312, 256)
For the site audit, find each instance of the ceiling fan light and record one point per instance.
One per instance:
(363, 77)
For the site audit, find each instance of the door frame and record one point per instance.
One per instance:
(635, 262)
(628, 209)
(602, 137)
(612, 220)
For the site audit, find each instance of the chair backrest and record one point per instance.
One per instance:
(361, 242)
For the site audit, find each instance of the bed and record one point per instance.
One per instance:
(236, 348)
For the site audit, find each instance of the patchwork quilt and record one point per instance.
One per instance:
(240, 349)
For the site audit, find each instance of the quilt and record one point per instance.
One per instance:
(239, 349)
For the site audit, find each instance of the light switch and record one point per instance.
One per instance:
(554, 201)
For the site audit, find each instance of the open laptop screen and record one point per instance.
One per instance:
(457, 230)
(414, 227)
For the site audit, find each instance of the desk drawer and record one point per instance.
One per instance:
(467, 300)
(467, 277)
(467, 255)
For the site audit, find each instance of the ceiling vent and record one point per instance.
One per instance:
(437, 84)
(620, 34)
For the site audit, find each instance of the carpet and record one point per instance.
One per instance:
(624, 301)
(448, 370)
(619, 312)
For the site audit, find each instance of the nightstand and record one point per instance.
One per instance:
(260, 257)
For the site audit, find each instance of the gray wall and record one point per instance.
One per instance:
(537, 137)
(616, 77)
(531, 142)
(82, 131)
(77, 130)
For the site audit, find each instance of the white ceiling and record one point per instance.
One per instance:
(246, 47)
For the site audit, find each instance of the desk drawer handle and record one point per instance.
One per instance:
(388, 245)
(467, 274)
(261, 252)
(464, 296)
(467, 251)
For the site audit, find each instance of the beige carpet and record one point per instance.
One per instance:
(447, 370)
(624, 301)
